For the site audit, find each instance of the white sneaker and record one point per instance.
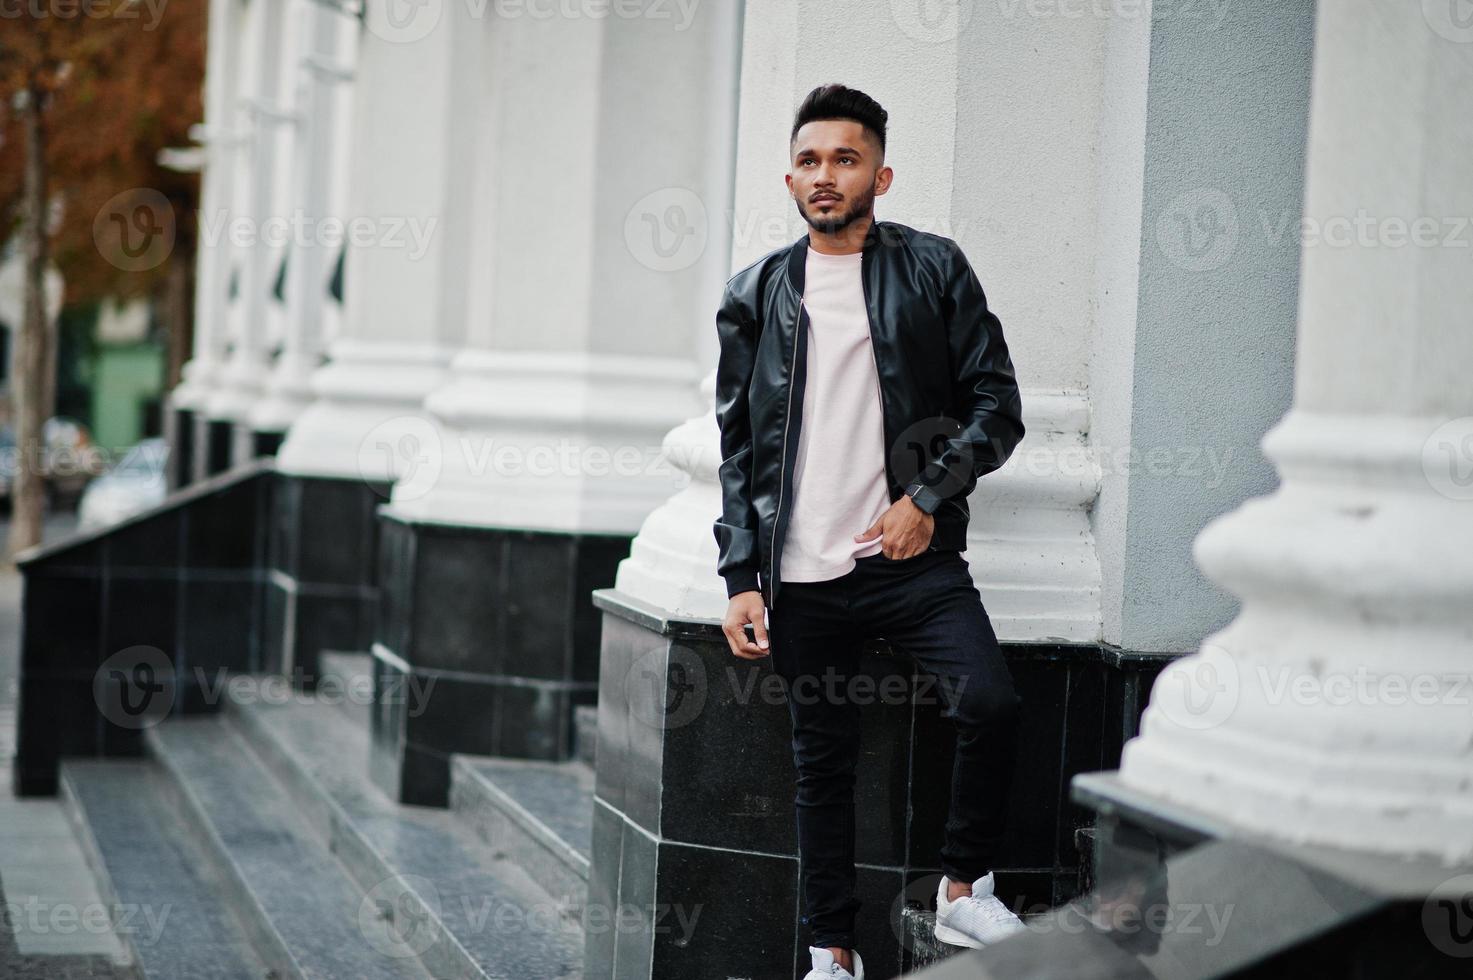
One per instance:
(975, 920)
(825, 967)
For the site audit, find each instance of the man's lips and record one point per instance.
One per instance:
(826, 199)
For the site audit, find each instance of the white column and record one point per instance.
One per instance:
(584, 306)
(321, 72)
(1030, 543)
(1335, 709)
(212, 268)
(260, 113)
(415, 105)
(1026, 188)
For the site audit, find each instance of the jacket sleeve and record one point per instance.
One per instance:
(985, 398)
(736, 528)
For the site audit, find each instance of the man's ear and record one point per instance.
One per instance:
(883, 177)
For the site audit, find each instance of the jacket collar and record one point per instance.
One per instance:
(798, 255)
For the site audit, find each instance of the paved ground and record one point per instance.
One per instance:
(53, 918)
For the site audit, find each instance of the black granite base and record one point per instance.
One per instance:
(695, 790)
(211, 442)
(496, 628)
(1180, 891)
(128, 624)
(180, 433)
(321, 584)
(266, 443)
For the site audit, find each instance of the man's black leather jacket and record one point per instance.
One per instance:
(952, 412)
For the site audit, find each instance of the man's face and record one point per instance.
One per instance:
(837, 172)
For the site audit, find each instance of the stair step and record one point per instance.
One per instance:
(169, 910)
(306, 917)
(347, 681)
(585, 733)
(478, 915)
(539, 813)
(920, 939)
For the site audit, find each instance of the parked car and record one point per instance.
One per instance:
(70, 462)
(136, 483)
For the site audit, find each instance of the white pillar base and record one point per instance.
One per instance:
(287, 393)
(196, 385)
(236, 388)
(1030, 544)
(1337, 708)
(672, 561)
(366, 393)
(548, 441)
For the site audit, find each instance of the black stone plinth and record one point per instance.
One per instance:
(695, 782)
(211, 442)
(180, 432)
(485, 642)
(128, 624)
(266, 443)
(321, 581)
(1182, 892)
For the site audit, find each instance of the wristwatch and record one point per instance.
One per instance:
(923, 497)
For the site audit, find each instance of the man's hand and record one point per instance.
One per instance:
(905, 527)
(744, 608)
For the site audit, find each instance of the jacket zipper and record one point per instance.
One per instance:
(782, 462)
(880, 384)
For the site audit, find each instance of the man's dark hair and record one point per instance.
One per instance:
(835, 101)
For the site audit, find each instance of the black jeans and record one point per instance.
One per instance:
(928, 607)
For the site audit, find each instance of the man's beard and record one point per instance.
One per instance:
(833, 224)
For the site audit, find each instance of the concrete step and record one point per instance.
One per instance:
(306, 918)
(920, 938)
(540, 814)
(168, 908)
(466, 911)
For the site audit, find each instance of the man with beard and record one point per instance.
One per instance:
(861, 339)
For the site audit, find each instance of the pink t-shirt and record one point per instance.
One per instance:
(839, 481)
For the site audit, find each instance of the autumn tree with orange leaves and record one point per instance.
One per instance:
(90, 92)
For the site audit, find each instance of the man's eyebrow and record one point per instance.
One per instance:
(851, 151)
